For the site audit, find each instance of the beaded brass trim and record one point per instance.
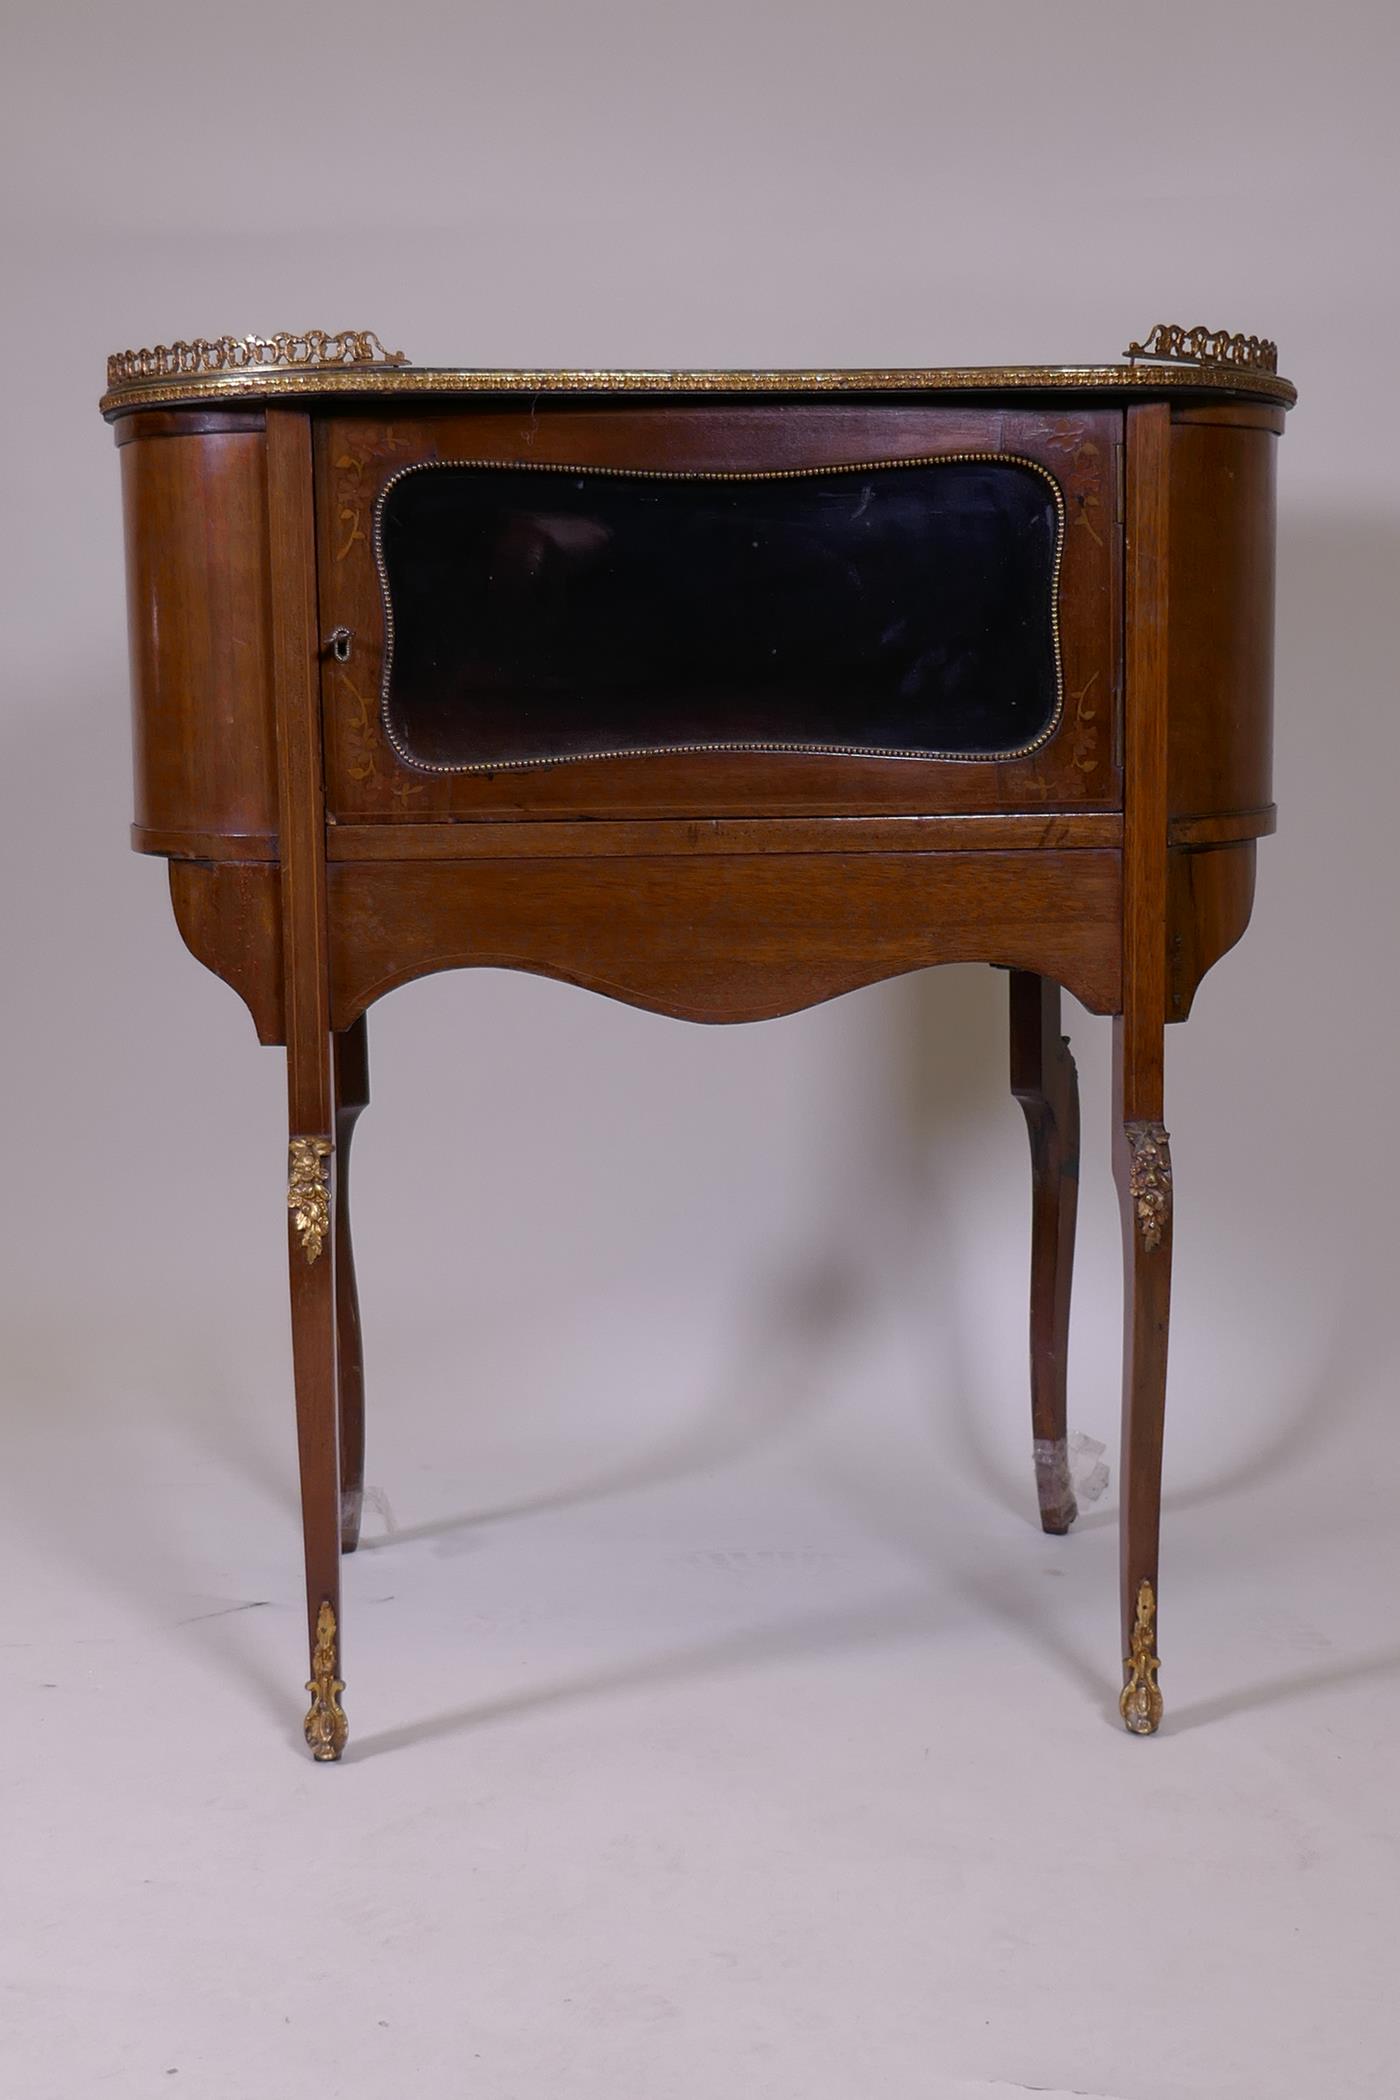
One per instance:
(250, 353)
(866, 466)
(326, 1727)
(1150, 1181)
(1208, 346)
(308, 1192)
(254, 384)
(1140, 1701)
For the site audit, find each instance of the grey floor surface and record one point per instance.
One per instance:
(767, 1749)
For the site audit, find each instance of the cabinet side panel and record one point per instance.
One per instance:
(197, 607)
(1220, 753)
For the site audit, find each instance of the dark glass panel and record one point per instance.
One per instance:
(542, 614)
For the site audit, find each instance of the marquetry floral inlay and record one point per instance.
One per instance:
(357, 483)
(1086, 727)
(367, 755)
(1082, 475)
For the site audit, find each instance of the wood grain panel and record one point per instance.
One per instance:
(1210, 896)
(1220, 756)
(727, 939)
(480, 839)
(197, 610)
(230, 917)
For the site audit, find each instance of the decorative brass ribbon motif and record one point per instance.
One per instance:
(1140, 1702)
(1150, 1180)
(326, 1726)
(315, 350)
(1207, 346)
(308, 1192)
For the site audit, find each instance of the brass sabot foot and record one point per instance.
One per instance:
(1140, 1702)
(326, 1726)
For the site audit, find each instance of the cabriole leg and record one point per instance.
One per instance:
(1142, 1169)
(351, 1095)
(1044, 1081)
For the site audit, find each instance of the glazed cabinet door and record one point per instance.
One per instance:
(688, 607)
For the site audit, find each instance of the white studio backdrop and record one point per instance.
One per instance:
(815, 194)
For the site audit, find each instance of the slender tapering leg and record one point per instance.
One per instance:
(1044, 1081)
(1141, 1160)
(311, 1198)
(351, 1095)
(1142, 1169)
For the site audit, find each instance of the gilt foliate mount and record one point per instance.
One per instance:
(309, 1193)
(1150, 1181)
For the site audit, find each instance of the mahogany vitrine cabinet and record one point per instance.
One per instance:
(719, 692)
